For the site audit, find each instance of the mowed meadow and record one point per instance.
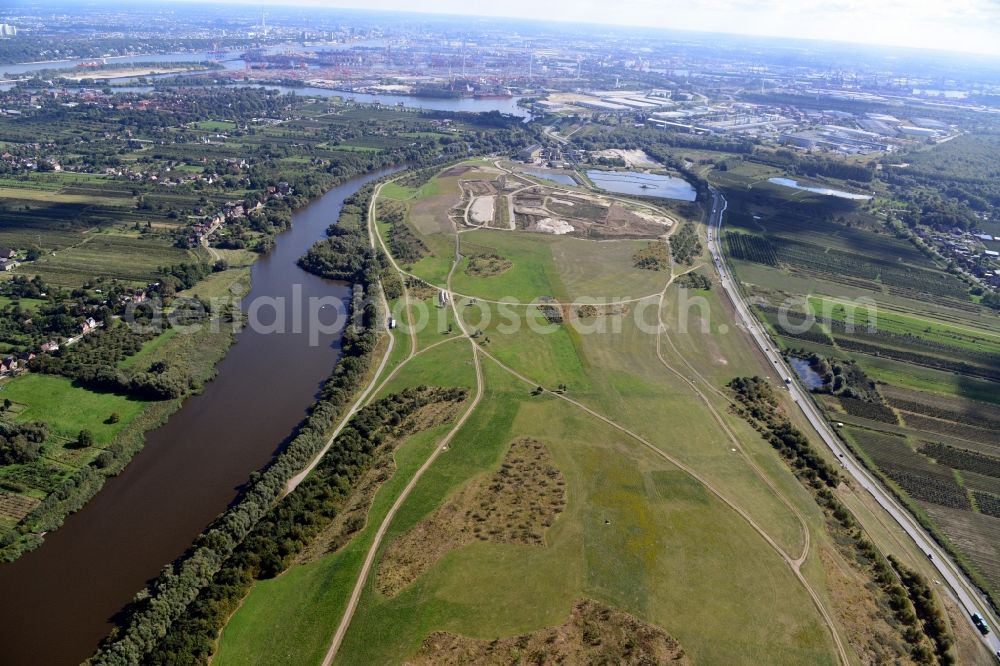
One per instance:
(677, 512)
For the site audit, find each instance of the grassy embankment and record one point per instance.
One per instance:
(638, 532)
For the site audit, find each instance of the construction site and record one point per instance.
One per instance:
(514, 201)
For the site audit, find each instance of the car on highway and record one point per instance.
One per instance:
(980, 623)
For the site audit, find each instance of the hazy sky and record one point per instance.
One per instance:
(962, 25)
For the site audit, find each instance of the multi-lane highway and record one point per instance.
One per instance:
(964, 592)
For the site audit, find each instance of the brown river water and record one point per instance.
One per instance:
(57, 602)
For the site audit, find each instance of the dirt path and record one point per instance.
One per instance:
(294, 482)
(441, 446)
(352, 604)
(373, 235)
(211, 250)
(793, 563)
(736, 444)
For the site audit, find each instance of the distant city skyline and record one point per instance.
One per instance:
(957, 25)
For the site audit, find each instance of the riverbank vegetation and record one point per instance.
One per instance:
(223, 562)
(295, 520)
(107, 205)
(168, 597)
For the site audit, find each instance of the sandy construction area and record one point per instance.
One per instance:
(549, 225)
(482, 209)
(652, 217)
(637, 159)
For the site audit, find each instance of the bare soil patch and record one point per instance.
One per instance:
(548, 225)
(456, 171)
(549, 210)
(582, 209)
(16, 506)
(594, 634)
(513, 505)
(479, 188)
(624, 221)
(483, 209)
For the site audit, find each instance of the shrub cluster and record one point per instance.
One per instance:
(94, 361)
(684, 245)
(21, 443)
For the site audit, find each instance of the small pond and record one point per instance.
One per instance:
(789, 182)
(809, 377)
(643, 184)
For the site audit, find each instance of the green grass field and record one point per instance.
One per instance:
(68, 409)
(663, 527)
(29, 304)
(639, 532)
(935, 330)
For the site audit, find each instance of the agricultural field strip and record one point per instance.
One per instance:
(894, 315)
(793, 563)
(964, 591)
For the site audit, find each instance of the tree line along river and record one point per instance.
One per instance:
(60, 600)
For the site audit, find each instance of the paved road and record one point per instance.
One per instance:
(966, 594)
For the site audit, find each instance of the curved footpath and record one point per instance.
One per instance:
(442, 446)
(793, 562)
(964, 591)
